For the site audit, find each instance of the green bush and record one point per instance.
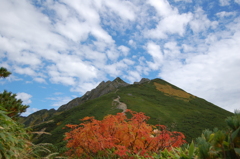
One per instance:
(14, 139)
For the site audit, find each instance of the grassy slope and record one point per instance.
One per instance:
(188, 116)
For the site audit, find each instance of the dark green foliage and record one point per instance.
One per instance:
(13, 137)
(11, 104)
(221, 143)
(15, 141)
(4, 72)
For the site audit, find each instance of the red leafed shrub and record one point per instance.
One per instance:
(120, 135)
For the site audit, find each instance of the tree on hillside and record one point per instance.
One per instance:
(13, 137)
(15, 140)
(4, 72)
(8, 100)
(12, 105)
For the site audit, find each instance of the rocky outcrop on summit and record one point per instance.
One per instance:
(143, 80)
(105, 87)
(101, 89)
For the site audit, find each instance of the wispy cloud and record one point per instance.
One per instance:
(25, 97)
(169, 18)
(59, 101)
(224, 2)
(155, 51)
(225, 14)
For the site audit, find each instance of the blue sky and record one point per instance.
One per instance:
(59, 49)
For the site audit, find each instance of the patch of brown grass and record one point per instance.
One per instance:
(168, 90)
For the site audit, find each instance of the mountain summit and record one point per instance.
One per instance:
(101, 89)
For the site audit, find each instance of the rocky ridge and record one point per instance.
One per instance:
(101, 89)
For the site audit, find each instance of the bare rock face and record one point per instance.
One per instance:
(143, 80)
(101, 89)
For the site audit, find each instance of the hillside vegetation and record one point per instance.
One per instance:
(164, 103)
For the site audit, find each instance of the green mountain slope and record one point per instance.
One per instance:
(38, 117)
(164, 103)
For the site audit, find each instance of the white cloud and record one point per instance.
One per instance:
(25, 97)
(170, 18)
(200, 22)
(26, 70)
(171, 50)
(124, 50)
(155, 51)
(112, 54)
(237, 1)
(117, 69)
(25, 58)
(69, 62)
(124, 9)
(187, 48)
(91, 25)
(21, 15)
(225, 14)
(40, 80)
(57, 77)
(128, 61)
(163, 7)
(132, 43)
(133, 76)
(84, 87)
(59, 101)
(143, 66)
(85, 9)
(188, 1)
(101, 34)
(69, 68)
(74, 29)
(224, 2)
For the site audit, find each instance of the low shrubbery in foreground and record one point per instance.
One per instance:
(15, 141)
(117, 136)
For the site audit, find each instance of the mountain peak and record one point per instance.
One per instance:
(101, 89)
(142, 81)
(119, 81)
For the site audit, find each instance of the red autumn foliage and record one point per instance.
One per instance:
(121, 135)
